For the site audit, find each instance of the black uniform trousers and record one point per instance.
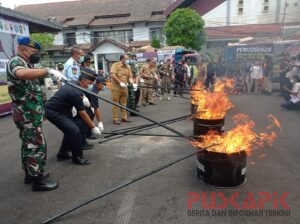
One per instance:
(179, 86)
(72, 139)
(83, 127)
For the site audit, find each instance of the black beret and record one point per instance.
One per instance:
(89, 74)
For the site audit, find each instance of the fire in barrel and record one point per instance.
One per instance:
(194, 96)
(224, 164)
(212, 107)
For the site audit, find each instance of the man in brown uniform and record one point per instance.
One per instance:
(148, 74)
(120, 75)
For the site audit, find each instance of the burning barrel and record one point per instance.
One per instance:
(222, 169)
(203, 126)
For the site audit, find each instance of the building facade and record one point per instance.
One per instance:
(12, 25)
(229, 21)
(90, 23)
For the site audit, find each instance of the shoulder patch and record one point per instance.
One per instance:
(14, 64)
(74, 70)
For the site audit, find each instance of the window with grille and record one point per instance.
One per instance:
(121, 36)
(240, 6)
(156, 33)
(266, 6)
(70, 39)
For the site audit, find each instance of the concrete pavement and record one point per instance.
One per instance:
(161, 198)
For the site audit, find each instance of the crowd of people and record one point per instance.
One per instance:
(73, 110)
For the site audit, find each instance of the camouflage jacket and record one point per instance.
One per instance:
(166, 71)
(26, 95)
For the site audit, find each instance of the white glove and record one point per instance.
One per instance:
(100, 126)
(86, 101)
(96, 132)
(142, 81)
(74, 112)
(93, 110)
(123, 85)
(135, 87)
(55, 75)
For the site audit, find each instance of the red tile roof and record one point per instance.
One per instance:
(242, 31)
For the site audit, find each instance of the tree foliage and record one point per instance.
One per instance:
(45, 39)
(155, 43)
(185, 27)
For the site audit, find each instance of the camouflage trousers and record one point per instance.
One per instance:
(131, 98)
(34, 146)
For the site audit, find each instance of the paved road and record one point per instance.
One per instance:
(161, 198)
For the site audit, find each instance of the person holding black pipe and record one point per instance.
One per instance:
(59, 112)
(98, 86)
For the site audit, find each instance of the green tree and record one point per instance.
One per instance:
(45, 39)
(155, 42)
(185, 27)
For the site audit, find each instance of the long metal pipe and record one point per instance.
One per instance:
(135, 131)
(130, 110)
(148, 125)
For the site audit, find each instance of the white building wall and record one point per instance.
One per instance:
(253, 12)
(141, 32)
(217, 16)
(292, 11)
(58, 39)
(108, 48)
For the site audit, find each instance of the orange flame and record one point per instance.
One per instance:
(195, 94)
(213, 105)
(240, 138)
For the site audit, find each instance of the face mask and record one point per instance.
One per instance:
(34, 58)
(90, 87)
(81, 59)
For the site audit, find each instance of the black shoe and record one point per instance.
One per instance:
(80, 161)
(43, 184)
(91, 137)
(29, 179)
(152, 103)
(126, 121)
(62, 157)
(87, 146)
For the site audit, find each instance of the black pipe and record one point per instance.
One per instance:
(136, 134)
(170, 88)
(147, 125)
(134, 131)
(130, 110)
(120, 186)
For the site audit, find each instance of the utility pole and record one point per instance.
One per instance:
(283, 19)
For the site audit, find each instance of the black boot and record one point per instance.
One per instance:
(61, 157)
(86, 145)
(29, 179)
(80, 160)
(43, 184)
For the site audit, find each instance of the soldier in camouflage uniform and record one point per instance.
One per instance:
(167, 75)
(28, 108)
